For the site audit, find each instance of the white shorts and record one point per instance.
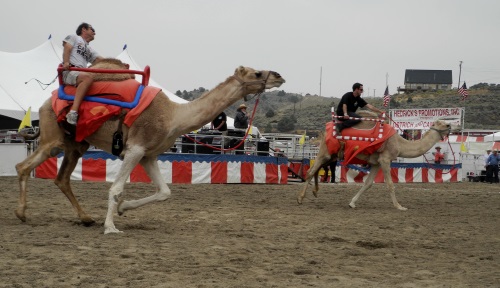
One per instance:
(69, 77)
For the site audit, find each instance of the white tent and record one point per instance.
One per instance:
(492, 137)
(23, 74)
(19, 88)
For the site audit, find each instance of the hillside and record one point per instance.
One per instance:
(281, 111)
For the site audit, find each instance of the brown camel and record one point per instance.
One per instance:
(395, 146)
(152, 133)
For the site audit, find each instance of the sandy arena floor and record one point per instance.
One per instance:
(255, 236)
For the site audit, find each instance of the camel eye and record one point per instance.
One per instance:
(258, 74)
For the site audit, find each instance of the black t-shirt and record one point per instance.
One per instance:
(216, 122)
(352, 103)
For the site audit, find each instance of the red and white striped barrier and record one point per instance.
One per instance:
(186, 169)
(403, 175)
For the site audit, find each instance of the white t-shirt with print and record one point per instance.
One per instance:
(81, 54)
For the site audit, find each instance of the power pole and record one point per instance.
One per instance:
(320, 76)
(459, 74)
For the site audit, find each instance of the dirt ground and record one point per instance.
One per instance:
(255, 236)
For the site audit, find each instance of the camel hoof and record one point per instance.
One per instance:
(402, 208)
(111, 230)
(299, 200)
(352, 205)
(119, 209)
(87, 221)
(315, 193)
(20, 215)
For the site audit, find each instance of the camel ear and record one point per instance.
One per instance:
(240, 71)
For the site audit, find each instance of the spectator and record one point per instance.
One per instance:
(220, 123)
(493, 161)
(241, 119)
(438, 156)
(488, 170)
(330, 166)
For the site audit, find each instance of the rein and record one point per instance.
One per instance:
(442, 139)
(242, 140)
(449, 145)
(246, 84)
(243, 85)
(439, 131)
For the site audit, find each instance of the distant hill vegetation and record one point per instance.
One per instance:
(285, 112)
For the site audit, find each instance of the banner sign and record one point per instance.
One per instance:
(422, 119)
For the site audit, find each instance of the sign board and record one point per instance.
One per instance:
(422, 119)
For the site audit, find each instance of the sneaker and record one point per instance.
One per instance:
(72, 117)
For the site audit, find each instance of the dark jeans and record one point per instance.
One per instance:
(331, 166)
(492, 173)
(346, 123)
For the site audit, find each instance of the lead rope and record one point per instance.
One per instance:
(426, 160)
(242, 140)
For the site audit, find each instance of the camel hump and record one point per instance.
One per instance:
(112, 64)
(366, 124)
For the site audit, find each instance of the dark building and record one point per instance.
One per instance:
(426, 80)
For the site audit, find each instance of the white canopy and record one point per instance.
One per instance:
(22, 74)
(19, 88)
(492, 137)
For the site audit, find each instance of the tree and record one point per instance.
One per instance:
(281, 93)
(270, 113)
(178, 93)
(286, 124)
(393, 103)
(201, 89)
(294, 99)
(268, 128)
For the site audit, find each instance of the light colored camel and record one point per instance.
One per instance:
(395, 146)
(152, 133)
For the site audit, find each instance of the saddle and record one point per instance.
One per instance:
(355, 140)
(93, 114)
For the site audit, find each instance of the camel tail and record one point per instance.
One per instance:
(30, 136)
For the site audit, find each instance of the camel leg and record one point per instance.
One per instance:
(24, 168)
(313, 172)
(368, 183)
(386, 168)
(150, 164)
(316, 185)
(63, 180)
(132, 157)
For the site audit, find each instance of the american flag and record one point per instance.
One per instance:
(463, 91)
(387, 97)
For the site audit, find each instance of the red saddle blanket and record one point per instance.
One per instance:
(92, 114)
(355, 147)
(332, 143)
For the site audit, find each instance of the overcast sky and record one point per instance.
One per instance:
(198, 43)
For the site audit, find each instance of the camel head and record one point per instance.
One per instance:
(256, 81)
(443, 128)
(111, 63)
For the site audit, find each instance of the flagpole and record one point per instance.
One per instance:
(459, 74)
(387, 85)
